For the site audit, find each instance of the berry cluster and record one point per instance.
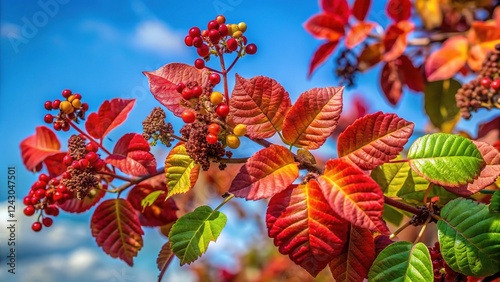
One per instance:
(154, 127)
(43, 195)
(442, 272)
(71, 108)
(346, 62)
(484, 91)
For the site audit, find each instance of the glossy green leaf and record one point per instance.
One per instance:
(495, 202)
(191, 234)
(181, 171)
(402, 261)
(397, 179)
(392, 215)
(446, 159)
(440, 102)
(469, 236)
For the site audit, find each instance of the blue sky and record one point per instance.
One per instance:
(99, 49)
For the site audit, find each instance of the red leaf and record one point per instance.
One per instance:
(164, 259)
(117, 230)
(394, 40)
(353, 264)
(78, 206)
(357, 109)
(447, 61)
(391, 83)
(39, 146)
(358, 34)
(336, 8)
(410, 75)
(374, 139)
(353, 195)
(325, 26)
(161, 212)
(321, 55)
(268, 172)
(489, 131)
(399, 10)
(163, 84)
(360, 9)
(54, 164)
(304, 227)
(131, 155)
(488, 174)
(109, 116)
(313, 117)
(261, 104)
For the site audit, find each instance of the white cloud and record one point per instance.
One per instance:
(102, 29)
(156, 36)
(10, 30)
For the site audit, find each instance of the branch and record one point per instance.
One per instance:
(423, 41)
(137, 180)
(401, 206)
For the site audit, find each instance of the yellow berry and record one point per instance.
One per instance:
(216, 98)
(232, 141)
(237, 34)
(229, 29)
(76, 103)
(240, 129)
(66, 107)
(234, 28)
(242, 26)
(71, 98)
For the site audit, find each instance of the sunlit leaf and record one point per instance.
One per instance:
(360, 9)
(180, 170)
(484, 36)
(160, 212)
(374, 139)
(55, 165)
(131, 155)
(399, 10)
(430, 13)
(358, 33)
(495, 202)
(336, 8)
(37, 147)
(304, 227)
(393, 215)
(313, 117)
(191, 234)
(325, 26)
(117, 230)
(266, 173)
(448, 60)
(391, 83)
(261, 104)
(469, 237)
(440, 102)
(323, 52)
(109, 116)
(395, 39)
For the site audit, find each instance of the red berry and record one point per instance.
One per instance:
(29, 210)
(53, 182)
(77, 96)
(48, 193)
(485, 82)
(245, 40)
(40, 193)
(66, 93)
(58, 196)
(194, 32)
(85, 107)
(214, 128)
(99, 165)
(214, 78)
(91, 147)
(67, 160)
(66, 175)
(55, 104)
(44, 177)
(75, 165)
(495, 85)
(213, 24)
(204, 33)
(180, 86)
(188, 40)
(199, 63)
(36, 226)
(84, 163)
(188, 116)
(48, 118)
(48, 105)
(197, 91)
(222, 110)
(203, 51)
(61, 188)
(66, 127)
(214, 35)
(34, 199)
(27, 200)
(220, 19)
(232, 44)
(224, 31)
(92, 157)
(54, 211)
(47, 221)
(197, 42)
(39, 185)
(57, 126)
(211, 138)
(187, 93)
(251, 49)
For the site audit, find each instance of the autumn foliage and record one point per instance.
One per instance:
(332, 210)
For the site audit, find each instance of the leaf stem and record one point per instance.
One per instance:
(233, 160)
(422, 230)
(224, 202)
(427, 191)
(117, 176)
(401, 206)
(88, 136)
(398, 161)
(399, 230)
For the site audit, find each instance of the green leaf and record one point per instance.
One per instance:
(192, 233)
(402, 261)
(495, 202)
(392, 215)
(469, 236)
(150, 199)
(181, 171)
(446, 159)
(417, 197)
(397, 179)
(440, 103)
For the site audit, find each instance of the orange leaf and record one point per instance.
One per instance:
(117, 230)
(370, 56)
(360, 9)
(109, 116)
(304, 226)
(268, 172)
(261, 104)
(353, 195)
(483, 36)
(399, 10)
(313, 117)
(325, 26)
(390, 81)
(37, 147)
(358, 33)
(321, 55)
(374, 139)
(447, 61)
(394, 40)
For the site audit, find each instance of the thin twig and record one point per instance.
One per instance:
(422, 230)
(401, 206)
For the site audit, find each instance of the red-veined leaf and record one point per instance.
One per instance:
(336, 8)
(268, 172)
(261, 104)
(117, 230)
(488, 174)
(54, 164)
(353, 264)
(374, 139)
(313, 117)
(370, 56)
(447, 61)
(37, 147)
(399, 10)
(161, 212)
(357, 108)
(489, 131)
(164, 259)
(353, 195)
(109, 116)
(410, 75)
(391, 83)
(304, 227)
(358, 33)
(360, 9)
(325, 26)
(321, 55)
(131, 155)
(163, 84)
(395, 39)
(74, 205)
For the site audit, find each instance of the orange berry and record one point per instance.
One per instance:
(240, 129)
